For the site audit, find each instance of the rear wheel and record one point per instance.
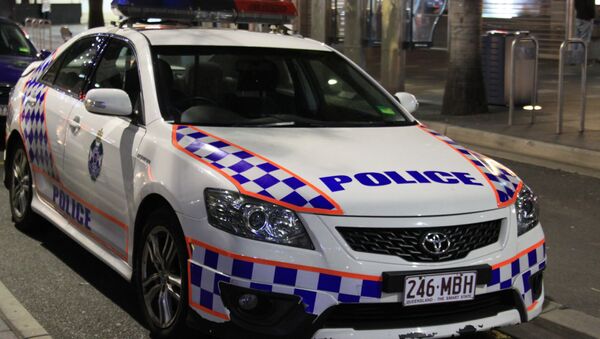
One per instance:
(161, 274)
(21, 190)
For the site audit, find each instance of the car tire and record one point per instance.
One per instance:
(161, 277)
(20, 185)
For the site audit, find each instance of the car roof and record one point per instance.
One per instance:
(229, 37)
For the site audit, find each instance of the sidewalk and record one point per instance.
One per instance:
(15, 321)
(571, 151)
(5, 331)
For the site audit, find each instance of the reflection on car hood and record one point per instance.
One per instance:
(401, 171)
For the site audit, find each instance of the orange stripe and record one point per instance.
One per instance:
(532, 306)
(48, 137)
(21, 106)
(91, 207)
(209, 311)
(284, 264)
(520, 254)
(116, 251)
(87, 204)
(337, 211)
(499, 203)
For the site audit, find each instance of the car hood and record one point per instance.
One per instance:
(385, 171)
(12, 66)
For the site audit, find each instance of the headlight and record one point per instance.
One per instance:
(528, 211)
(255, 219)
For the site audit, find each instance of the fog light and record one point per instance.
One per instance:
(248, 302)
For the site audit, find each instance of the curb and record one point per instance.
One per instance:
(20, 321)
(558, 321)
(566, 158)
(566, 318)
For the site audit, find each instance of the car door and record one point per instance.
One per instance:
(47, 104)
(100, 150)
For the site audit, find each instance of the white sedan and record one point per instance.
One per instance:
(263, 183)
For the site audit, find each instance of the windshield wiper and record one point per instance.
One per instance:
(273, 124)
(281, 124)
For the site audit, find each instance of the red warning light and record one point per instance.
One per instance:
(273, 7)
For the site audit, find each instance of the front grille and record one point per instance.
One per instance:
(366, 316)
(407, 242)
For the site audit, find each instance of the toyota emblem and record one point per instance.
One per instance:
(435, 243)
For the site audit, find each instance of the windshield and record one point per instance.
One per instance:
(14, 42)
(241, 86)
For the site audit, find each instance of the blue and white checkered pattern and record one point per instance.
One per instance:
(516, 274)
(504, 181)
(318, 290)
(33, 122)
(251, 173)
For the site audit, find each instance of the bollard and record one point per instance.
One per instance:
(511, 90)
(561, 76)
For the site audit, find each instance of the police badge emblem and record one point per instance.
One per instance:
(95, 157)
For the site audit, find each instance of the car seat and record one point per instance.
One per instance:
(257, 80)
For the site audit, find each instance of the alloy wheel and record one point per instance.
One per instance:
(20, 184)
(161, 277)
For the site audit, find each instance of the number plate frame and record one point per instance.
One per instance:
(436, 280)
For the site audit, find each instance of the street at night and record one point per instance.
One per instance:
(324, 169)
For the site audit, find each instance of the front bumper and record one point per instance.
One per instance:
(506, 318)
(289, 271)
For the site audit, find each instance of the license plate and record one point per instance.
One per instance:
(439, 288)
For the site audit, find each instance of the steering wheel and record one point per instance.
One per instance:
(192, 101)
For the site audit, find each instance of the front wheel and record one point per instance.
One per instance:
(21, 190)
(161, 275)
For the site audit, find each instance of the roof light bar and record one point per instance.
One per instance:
(242, 11)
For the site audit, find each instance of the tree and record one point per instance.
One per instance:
(95, 16)
(465, 91)
(393, 56)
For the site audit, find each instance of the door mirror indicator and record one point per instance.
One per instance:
(108, 101)
(408, 101)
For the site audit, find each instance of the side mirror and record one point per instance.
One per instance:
(408, 101)
(108, 101)
(43, 54)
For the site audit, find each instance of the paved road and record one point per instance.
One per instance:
(570, 207)
(74, 295)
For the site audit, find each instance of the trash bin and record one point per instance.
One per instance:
(495, 58)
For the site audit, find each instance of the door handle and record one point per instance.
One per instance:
(31, 101)
(75, 124)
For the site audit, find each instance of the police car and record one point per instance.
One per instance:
(261, 184)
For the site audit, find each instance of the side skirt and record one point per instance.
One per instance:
(50, 214)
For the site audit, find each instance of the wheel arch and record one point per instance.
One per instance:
(150, 203)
